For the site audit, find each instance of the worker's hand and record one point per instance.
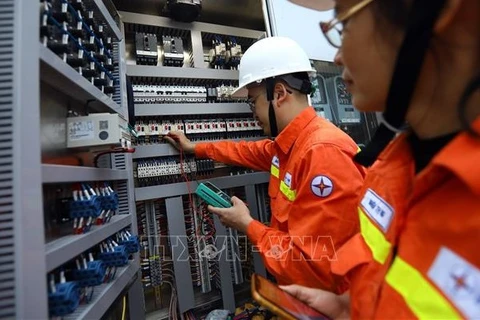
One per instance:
(180, 141)
(328, 303)
(237, 217)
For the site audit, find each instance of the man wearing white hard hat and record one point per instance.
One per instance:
(313, 180)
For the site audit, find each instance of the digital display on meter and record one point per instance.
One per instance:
(213, 195)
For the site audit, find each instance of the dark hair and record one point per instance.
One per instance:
(393, 12)
(396, 13)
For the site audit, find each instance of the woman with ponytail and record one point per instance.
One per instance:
(417, 255)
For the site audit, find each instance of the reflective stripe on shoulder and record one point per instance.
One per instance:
(289, 193)
(374, 238)
(423, 299)
(274, 171)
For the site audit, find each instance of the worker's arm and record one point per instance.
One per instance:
(251, 154)
(327, 183)
(255, 155)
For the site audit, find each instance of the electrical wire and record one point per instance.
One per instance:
(124, 307)
(90, 31)
(89, 54)
(191, 207)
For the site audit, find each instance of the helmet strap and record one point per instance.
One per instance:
(270, 85)
(302, 85)
(423, 15)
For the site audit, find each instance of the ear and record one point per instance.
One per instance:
(280, 93)
(447, 16)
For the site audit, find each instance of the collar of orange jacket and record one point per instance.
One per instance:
(289, 134)
(461, 156)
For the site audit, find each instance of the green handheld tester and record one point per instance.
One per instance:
(213, 196)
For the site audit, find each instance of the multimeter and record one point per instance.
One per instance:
(213, 196)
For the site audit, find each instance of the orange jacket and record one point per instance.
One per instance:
(417, 253)
(314, 187)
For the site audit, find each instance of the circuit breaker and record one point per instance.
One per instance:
(341, 101)
(172, 51)
(146, 49)
(71, 30)
(169, 94)
(153, 93)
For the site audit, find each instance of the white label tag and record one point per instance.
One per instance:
(173, 55)
(378, 209)
(288, 179)
(458, 280)
(80, 130)
(147, 53)
(276, 161)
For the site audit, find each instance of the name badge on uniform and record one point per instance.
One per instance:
(377, 209)
(459, 280)
(276, 161)
(288, 179)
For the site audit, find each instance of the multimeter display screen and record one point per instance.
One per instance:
(213, 195)
(219, 192)
(213, 188)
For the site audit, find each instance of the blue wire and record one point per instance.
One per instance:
(90, 31)
(89, 54)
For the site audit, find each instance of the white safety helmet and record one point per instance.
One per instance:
(319, 5)
(271, 57)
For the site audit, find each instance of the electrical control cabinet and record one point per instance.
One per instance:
(197, 100)
(339, 109)
(341, 101)
(320, 100)
(69, 244)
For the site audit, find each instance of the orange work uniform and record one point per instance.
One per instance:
(417, 255)
(314, 187)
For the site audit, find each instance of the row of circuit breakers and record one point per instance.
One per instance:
(147, 51)
(330, 94)
(184, 94)
(221, 56)
(196, 126)
(71, 30)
